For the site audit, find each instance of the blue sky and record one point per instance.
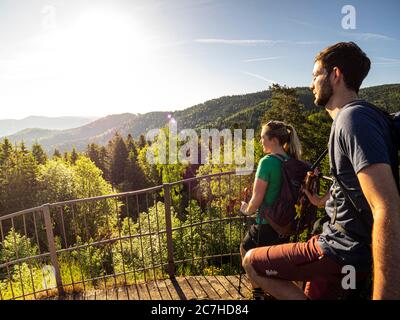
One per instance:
(94, 58)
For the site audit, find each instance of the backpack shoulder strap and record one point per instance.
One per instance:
(358, 211)
(278, 156)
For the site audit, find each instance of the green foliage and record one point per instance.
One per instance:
(18, 172)
(56, 182)
(316, 141)
(92, 218)
(15, 246)
(150, 250)
(89, 180)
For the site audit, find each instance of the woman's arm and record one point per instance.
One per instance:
(259, 189)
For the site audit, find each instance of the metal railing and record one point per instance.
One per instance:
(189, 227)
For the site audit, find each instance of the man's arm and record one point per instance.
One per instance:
(317, 200)
(380, 190)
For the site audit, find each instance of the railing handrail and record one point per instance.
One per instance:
(18, 213)
(114, 195)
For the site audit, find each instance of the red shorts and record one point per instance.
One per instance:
(302, 261)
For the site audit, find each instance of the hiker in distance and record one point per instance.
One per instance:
(278, 140)
(363, 203)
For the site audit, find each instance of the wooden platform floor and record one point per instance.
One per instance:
(180, 288)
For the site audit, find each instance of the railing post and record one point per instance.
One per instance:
(168, 227)
(52, 248)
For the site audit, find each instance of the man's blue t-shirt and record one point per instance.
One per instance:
(359, 137)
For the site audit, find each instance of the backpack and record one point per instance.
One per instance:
(281, 215)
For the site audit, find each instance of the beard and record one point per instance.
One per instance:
(324, 94)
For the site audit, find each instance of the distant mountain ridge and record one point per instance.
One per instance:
(217, 113)
(11, 126)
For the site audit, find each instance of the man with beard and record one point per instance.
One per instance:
(364, 194)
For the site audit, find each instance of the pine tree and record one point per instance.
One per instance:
(118, 160)
(5, 150)
(23, 149)
(66, 156)
(39, 154)
(142, 141)
(56, 154)
(93, 153)
(74, 156)
(134, 178)
(104, 163)
(286, 106)
(131, 146)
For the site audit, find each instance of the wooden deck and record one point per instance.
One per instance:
(180, 288)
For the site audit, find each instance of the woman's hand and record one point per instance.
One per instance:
(243, 208)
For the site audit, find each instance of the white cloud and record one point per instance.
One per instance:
(252, 42)
(262, 59)
(243, 42)
(368, 36)
(385, 61)
(260, 77)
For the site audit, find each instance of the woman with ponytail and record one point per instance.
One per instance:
(277, 138)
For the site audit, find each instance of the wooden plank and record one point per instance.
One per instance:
(199, 291)
(181, 288)
(231, 290)
(154, 291)
(175, 289)
(246, 288)
(219, 288)
(122, 293)
(134, 293)
(186, 288)
(143, 291)
(165, 293)
(207, 287)
(110, 294)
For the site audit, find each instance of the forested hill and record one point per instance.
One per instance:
(385, 96)
(246, 110)
(11, 126)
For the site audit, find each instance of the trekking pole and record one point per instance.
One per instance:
(320, 158)
(241, 267)
(245, 195)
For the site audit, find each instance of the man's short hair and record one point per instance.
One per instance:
(350, 59)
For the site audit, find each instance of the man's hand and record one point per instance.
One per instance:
(315, 199)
